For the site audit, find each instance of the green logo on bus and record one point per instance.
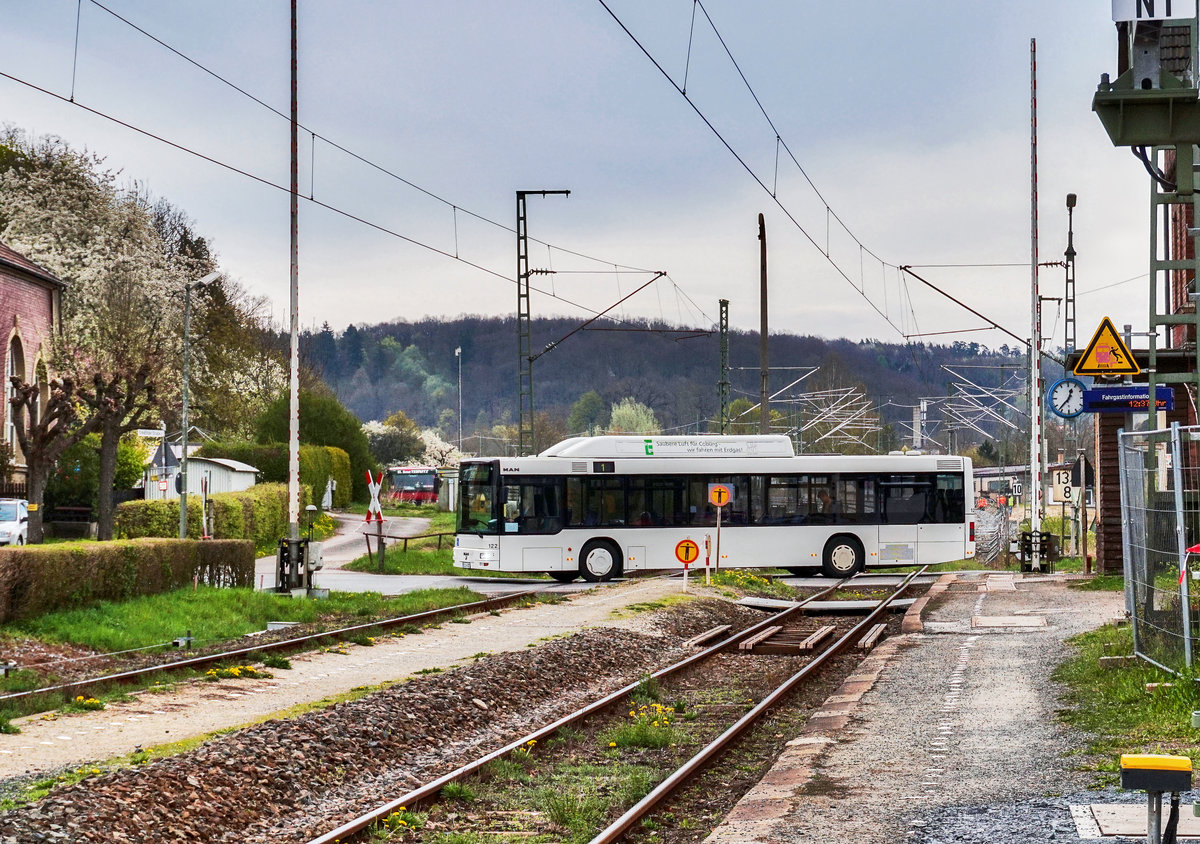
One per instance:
(649, 447)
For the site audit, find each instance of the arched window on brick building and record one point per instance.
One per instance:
(15, 368)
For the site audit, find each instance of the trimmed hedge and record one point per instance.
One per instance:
(340, 472)
(315, 464)
(37, 579)
(259, 514)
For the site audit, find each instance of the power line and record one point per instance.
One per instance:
(972, 266)
(358, 157)
(268, 183)
(750, 171)
(904, 294)
(1114, 284)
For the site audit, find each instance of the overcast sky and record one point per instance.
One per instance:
(912, 119)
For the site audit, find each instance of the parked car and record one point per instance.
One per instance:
(14, 521)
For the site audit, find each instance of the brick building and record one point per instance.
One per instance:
(30, 310)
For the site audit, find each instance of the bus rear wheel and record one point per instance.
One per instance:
(843, 556)
(564, 576)
(599, 560)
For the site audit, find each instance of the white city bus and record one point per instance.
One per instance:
(598, 507)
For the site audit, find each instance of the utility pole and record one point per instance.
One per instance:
(294, 379)
(723, 382)
(183, 442)
(1035, 318)
(764, 410)
(524, 325)
(458, 355)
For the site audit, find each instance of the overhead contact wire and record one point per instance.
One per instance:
(268, 183)
(356, 156)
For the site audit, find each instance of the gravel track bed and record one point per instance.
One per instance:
(690, 813)
(285, 780)
(716, 693)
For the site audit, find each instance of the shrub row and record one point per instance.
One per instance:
(259, 514)
(37, 579)
(318, 463)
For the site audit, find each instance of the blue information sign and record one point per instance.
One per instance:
(1130, 398)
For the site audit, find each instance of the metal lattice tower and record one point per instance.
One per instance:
(1069, 293)
(524, 326)
(723, 383)
(1153, 107)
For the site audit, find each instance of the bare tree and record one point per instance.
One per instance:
(44, 431)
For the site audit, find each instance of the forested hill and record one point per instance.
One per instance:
(411, 366)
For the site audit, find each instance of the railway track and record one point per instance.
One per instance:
(281, 646)
(786, 633)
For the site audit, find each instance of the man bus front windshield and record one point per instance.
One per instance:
(477, 507)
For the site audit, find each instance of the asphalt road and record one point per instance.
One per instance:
(349, 544)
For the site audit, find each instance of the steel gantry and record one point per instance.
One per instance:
(524, 325)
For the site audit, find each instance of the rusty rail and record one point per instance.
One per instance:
(642, 808)
(430, 790)
(283, 645)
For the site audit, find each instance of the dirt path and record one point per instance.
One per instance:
(49, 742)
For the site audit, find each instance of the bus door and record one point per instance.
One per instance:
(941, 534)
(901, 507)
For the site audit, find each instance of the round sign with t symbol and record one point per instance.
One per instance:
(687, 551)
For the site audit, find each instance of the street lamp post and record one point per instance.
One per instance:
(183, 455)
(458, 354)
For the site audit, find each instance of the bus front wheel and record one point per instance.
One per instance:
(843, 556)
(599, 560)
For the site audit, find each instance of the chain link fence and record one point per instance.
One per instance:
(1160, 519)
(992, 531)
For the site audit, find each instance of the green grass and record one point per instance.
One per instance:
(408, 511)
(215, 615)
(648, 725)
(423, 555)
(1101, 583)
(458, 791)
(423, 560)
(1113, 706)
(953, 565)
(752, 584)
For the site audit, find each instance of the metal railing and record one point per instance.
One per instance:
(1160, 519)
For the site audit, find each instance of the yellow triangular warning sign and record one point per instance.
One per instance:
(1107, 354)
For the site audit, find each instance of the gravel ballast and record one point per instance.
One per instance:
(282, 780)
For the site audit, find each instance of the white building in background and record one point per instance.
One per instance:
(205, 474)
